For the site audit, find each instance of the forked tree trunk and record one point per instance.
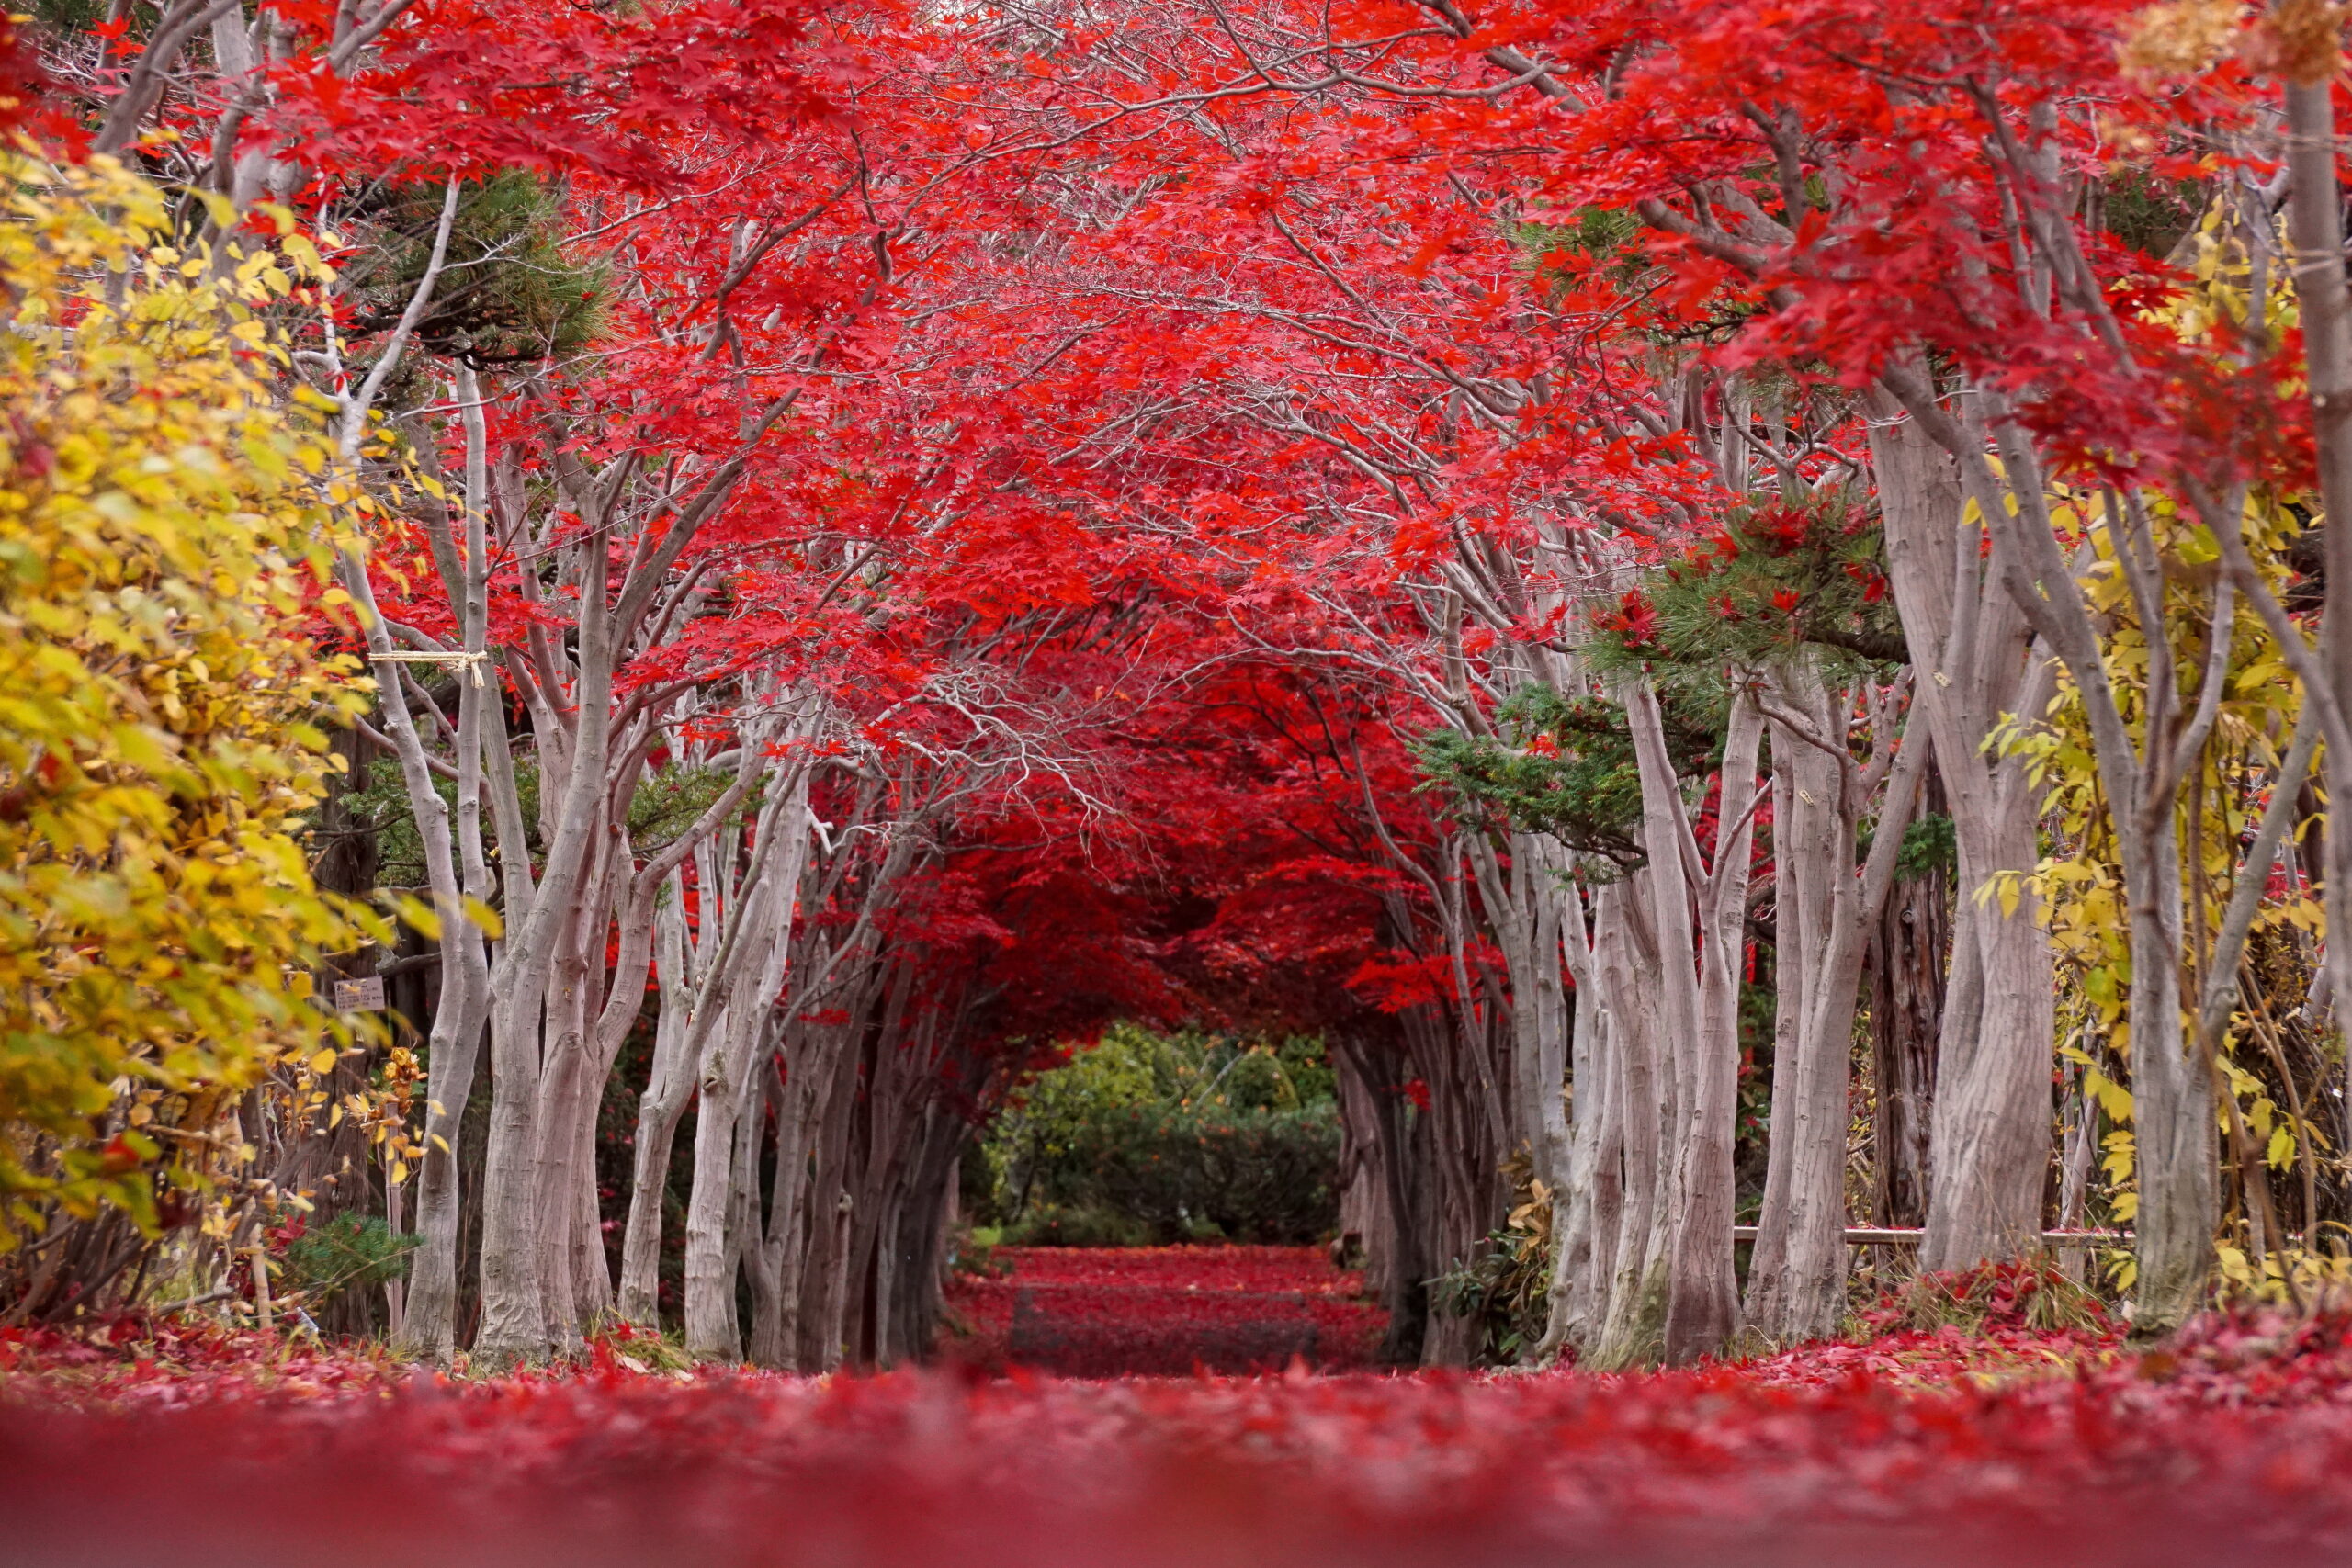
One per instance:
(684, 963)
(758, 956)
(1989, 1138)
(1522, 903)
(1797, 1283)
(1676, 1296)
(2140, 776)
(1702, 1302)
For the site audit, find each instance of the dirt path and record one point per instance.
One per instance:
(1161, 1312)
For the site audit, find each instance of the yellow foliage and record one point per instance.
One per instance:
(2078, 886)
(162, 542)
(2300, 41)
(2288, 1276)
(2181, 38)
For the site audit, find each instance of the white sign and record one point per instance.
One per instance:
(360, 996)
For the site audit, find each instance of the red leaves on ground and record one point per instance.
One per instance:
(1167, 1312)
(149, 1362)
(2226, 1447)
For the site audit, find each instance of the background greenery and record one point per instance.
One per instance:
(1152, 1139)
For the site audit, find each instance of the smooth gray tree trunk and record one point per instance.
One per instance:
(1990, 1136)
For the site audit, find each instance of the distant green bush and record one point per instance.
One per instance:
(1146, 1139)
(349, 1252)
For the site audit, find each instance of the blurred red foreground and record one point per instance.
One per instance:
(189, 1447)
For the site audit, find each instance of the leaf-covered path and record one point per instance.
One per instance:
(196, 1447)
(1162, 1310)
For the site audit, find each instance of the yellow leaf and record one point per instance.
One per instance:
(321, 1062)
(419, 916)
(2256, 676)
(2113, 1097)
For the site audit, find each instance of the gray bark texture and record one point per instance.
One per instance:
(2324, 302)
(1990, 1134)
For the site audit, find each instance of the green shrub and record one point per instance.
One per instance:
(349, 1252)
(1052, 1224)
(1157, 1139)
